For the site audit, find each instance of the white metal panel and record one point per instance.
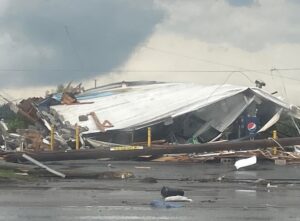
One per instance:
(142, 105)
(270, 97)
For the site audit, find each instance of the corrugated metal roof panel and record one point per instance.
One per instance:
(137, 106)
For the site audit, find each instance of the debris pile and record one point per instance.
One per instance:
(143, 119)
(282, 157)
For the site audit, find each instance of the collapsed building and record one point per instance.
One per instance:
(177, 113)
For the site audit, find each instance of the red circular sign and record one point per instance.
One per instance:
(251, 126)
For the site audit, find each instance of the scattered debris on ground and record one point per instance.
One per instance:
(127, 120)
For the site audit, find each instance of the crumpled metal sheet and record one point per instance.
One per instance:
(138, 106)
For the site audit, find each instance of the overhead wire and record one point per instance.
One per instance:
(203, 60)
(146, 71)
(73, 47)
(240, 70)
(221, 85)
(282, 82)
(262, 72)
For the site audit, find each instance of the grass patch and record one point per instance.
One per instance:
(11, 175)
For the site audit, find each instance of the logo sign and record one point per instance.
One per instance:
(251, 126)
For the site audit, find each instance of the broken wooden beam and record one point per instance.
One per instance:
(129, 152)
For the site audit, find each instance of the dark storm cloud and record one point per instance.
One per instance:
(54, 41)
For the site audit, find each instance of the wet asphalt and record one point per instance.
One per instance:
(236, 195)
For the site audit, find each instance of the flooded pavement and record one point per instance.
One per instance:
(238, 195)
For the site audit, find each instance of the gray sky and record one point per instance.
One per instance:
(44, 43)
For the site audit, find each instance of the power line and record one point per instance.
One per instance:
(283, 83)
(286, 69)
(120, 70)
(201, 59)
(150, 71)
(129, 71)
(279, 76)
(224, 82)
(73, 47)
(241, 69)
(262, 72)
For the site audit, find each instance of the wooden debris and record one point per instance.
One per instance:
(68, 98)
(100, 126)
(127, 154)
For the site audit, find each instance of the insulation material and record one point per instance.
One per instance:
(271, 122)
(221, 114)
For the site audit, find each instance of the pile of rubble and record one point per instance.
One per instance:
(130, 116)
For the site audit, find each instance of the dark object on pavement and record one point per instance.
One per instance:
(149, 180)
(167, 191)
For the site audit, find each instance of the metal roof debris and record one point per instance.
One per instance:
(119, 115)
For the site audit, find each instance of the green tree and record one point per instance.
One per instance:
(14, 121)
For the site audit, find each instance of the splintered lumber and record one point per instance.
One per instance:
(100, 126)
(43, 166)
(131, 152)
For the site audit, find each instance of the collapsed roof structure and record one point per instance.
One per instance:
(117, 120)
(176, 112)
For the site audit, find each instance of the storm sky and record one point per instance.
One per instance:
(44, 43)
(52, 41)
